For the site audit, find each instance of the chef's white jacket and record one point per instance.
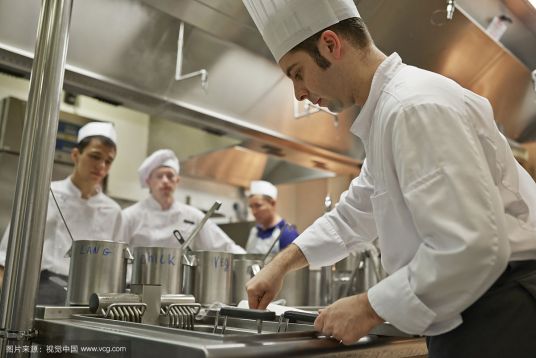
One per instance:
(146, 224)
(441, 189)
(256, 245)
(96, 218)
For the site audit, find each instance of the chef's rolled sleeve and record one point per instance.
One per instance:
(337, 233)
(318, 240)
(394, 298)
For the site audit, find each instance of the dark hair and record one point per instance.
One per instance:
(352, 29)
(104, 140)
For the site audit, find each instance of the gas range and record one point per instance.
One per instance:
(208, 337)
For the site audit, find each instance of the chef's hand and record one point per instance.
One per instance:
(263, 288)
(348, 319)
(268, 282)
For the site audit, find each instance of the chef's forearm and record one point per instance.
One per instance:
(1, 276)
(290, 259)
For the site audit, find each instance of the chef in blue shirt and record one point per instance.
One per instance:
(262, 200)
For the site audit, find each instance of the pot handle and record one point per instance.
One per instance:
(127, 254)
(68, 253)
(247, 313)
(295, 316)
(254, 269)
(189, 259)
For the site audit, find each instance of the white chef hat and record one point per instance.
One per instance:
(105, 129)
(160, 158)
(261, 187)
(285, 23)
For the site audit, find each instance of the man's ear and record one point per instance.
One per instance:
(330, 44)
(75, 154)
(178, 179)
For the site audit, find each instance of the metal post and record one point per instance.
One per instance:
(326, 285)
(23, 261)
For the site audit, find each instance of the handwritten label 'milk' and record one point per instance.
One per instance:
(158, 259)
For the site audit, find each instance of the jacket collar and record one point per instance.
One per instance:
(383, 75)
(74, 191)
(152, 204)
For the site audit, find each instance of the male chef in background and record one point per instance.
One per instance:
(151, 222)
(262, 200)
(454, 212)
(88, 212)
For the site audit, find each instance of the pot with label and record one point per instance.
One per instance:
(96, 266)
(158, 266)
(208, 276)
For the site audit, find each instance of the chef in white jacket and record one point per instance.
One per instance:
(88, 212)
(151, 222)
(454, 212)
(262, 201)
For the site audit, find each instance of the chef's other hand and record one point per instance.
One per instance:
(264, 286)
(348, 319)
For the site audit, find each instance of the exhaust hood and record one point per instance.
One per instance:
(210, 155)
(125, 51)
(239, 166)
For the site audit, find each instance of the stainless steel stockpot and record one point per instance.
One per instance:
(158, 266)
(244, 268)
(295, 288)
(96, 266)
(208, 276)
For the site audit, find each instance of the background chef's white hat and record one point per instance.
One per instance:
(105, 129)
(261, 187)
(160, 158)
(285, 23)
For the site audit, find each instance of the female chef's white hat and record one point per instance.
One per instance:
(261, 187)
(105, 129)
(160, 158)
(285, 23)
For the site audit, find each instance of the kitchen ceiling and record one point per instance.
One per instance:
(459, 49)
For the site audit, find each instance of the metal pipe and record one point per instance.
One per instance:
(451, 6)
(178, 68)
(23, 261)
(311, 108)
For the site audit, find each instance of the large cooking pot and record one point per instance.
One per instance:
(357, 273)
(96, 266)
(158, 266)
(208, 276)
(295, 288)
(244, 268)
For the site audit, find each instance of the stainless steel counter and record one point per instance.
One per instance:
(239, 340)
